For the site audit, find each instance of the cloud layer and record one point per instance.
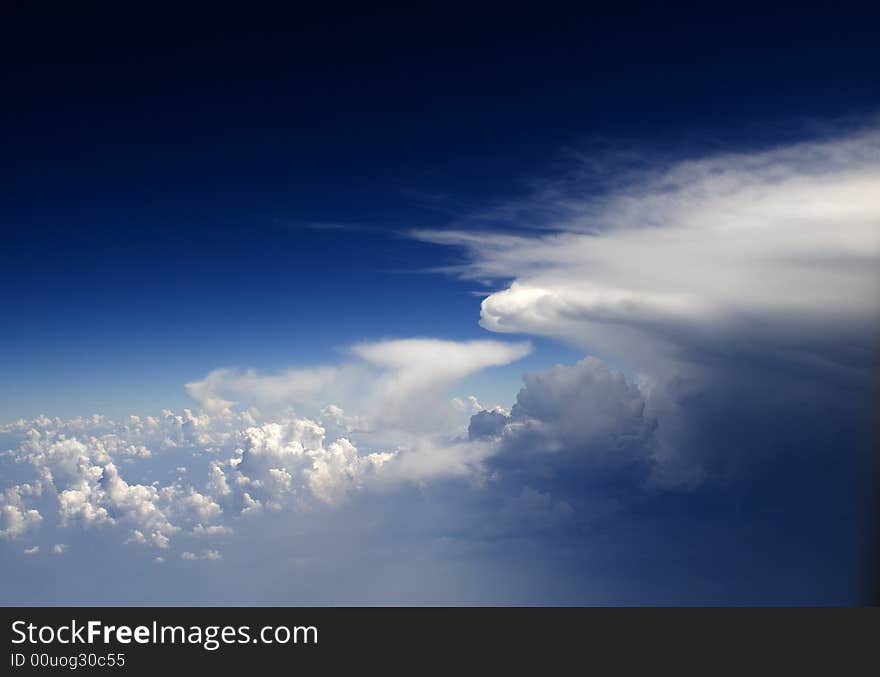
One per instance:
(228, 463)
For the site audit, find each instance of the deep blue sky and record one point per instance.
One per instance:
(161, 173)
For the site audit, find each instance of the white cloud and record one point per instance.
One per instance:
(204, 554)
(293, 387)
(288, 461)
(425, 363)
(700, 278)
(284, 464)
(33, 550)
(212, 530)
(583, 422)
(80, 474)
(409, 393)
(780, 248)
(16, 519)
(382, 386)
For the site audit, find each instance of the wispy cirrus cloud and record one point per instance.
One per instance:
(779, 249)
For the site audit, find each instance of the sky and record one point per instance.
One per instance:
(439, 306)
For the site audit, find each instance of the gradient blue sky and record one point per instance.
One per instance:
(266, 190)
(160, 176)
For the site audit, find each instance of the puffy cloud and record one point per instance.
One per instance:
(135, 437)
(16, 519)
(583, 421)
(204, 554)
(83, 475)
(200, 505)
(583, 427)
(281, 461)
(403, 420)
(212, 530)
(581, 406)
(80, 473)
(250, 506)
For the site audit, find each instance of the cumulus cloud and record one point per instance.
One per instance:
(204, 554)
(586, 402)
(17, 520)
(89, 489)
(231, 461)
(285, 461)
(572, 418)
(212, 530)
(83, 479)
